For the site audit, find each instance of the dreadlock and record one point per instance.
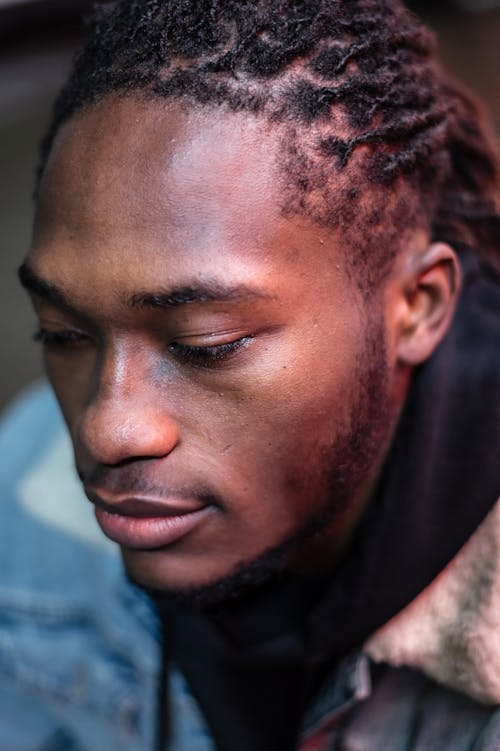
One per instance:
(352, 84)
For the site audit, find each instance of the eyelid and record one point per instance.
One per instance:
(211, 355)
(211, 338)
(64, 335)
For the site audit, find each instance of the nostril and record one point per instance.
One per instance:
(119, 433)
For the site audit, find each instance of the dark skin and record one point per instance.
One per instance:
(208, 352)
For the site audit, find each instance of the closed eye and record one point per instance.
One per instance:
(208, 356)
(63, 338)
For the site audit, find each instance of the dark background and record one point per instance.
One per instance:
(37, 41)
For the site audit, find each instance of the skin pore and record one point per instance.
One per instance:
(212, 353)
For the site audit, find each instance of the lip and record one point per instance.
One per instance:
(147, 524)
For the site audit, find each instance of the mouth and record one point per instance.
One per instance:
(148, 524)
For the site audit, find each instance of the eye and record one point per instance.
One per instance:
(59, 339)
(208, 356)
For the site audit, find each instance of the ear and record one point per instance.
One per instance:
(429, 284)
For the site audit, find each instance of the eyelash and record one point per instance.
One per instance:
(206, 356)
(58, 338)
(198, 356)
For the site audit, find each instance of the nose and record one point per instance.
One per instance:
(126, 419)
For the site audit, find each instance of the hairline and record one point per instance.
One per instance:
(286, 136)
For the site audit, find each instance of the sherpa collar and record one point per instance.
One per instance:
(451, 631)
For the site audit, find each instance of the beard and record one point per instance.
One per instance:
(350, 461)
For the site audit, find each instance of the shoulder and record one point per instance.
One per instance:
(451, 631)
(78, 643)
(406, 710)
(44, 516)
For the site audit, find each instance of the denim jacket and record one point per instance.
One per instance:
(80, 645)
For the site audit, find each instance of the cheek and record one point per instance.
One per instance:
(278, 436)
(71, 378)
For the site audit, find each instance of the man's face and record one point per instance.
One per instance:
(211, 356)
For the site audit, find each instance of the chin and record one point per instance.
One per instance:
(195, 585)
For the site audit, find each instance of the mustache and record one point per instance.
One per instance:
(131, 480)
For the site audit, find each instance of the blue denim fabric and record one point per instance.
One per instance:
(79, 645)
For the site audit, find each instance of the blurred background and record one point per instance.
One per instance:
(37, 41)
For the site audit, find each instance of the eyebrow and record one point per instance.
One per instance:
(41, 288)
(196, 293)
(163, 299)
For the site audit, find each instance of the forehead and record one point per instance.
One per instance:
(130, 162)
(140, 191)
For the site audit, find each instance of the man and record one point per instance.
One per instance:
(263, 265)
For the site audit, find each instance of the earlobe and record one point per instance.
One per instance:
(430, 287)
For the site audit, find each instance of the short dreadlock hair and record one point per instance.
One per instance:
(352, 84)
